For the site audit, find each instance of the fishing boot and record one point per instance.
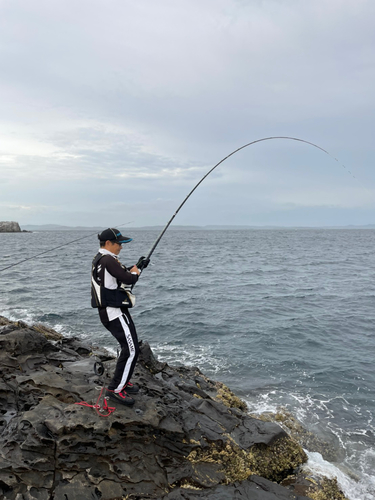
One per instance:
(121, 397)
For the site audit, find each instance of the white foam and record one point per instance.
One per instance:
(357, 485)
(363, 489)
(19, 315)
(31, 317)
(263, 404)
(196, 355)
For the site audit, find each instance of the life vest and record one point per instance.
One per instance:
(105, 297)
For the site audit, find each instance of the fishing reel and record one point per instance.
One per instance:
(142, 263)
(99, 368)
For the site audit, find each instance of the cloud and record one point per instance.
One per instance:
(140, 99)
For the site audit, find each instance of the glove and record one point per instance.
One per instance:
(142, 263)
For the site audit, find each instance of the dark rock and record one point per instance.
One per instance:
(148, 359)
(186, 437)
(254, 488)
(9, 227)
(331, 452)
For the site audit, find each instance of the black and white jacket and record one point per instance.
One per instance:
(110, 273)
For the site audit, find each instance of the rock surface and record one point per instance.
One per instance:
(187, 437)
(9, 227)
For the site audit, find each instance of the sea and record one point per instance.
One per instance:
(284, 317)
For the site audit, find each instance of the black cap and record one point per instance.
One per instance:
(113, 234)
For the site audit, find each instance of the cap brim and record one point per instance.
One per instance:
(122, 240)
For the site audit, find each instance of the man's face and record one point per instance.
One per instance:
(113, 247)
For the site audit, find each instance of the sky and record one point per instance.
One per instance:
(111, 112)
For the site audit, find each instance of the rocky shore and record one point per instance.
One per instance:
(187, 437)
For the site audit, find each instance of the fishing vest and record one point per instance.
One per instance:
(105, 297)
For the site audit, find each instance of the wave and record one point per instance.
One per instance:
(355, 458)
(355, 487)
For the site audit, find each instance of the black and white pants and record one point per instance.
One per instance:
(123, 329)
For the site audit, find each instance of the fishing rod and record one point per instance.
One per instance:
(143, 261)
(56, 248)
(147, 259)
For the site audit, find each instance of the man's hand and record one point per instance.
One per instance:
(143, 263)
(135, 269)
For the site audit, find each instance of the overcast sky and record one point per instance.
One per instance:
(112, 111)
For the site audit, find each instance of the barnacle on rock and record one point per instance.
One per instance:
(328, 489)
(226, 396)
(273, 462)
(305, 438)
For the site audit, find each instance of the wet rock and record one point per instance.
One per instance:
(9, 227)
(330, 451)
(254, 488)
(328, 488)
(149, 361)
(186, 434)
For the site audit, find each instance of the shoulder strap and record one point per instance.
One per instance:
(96, 259)
(96, 296)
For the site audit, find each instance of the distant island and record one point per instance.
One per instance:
(9, 227)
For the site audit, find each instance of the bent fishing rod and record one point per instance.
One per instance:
(143, 261)
(147, 258)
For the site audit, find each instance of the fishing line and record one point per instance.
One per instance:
(56, 248)
(221, 161)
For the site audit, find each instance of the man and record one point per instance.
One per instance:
(111, 293)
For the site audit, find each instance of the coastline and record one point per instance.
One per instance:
(203, 439)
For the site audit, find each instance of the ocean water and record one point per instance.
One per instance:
(284, 317)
